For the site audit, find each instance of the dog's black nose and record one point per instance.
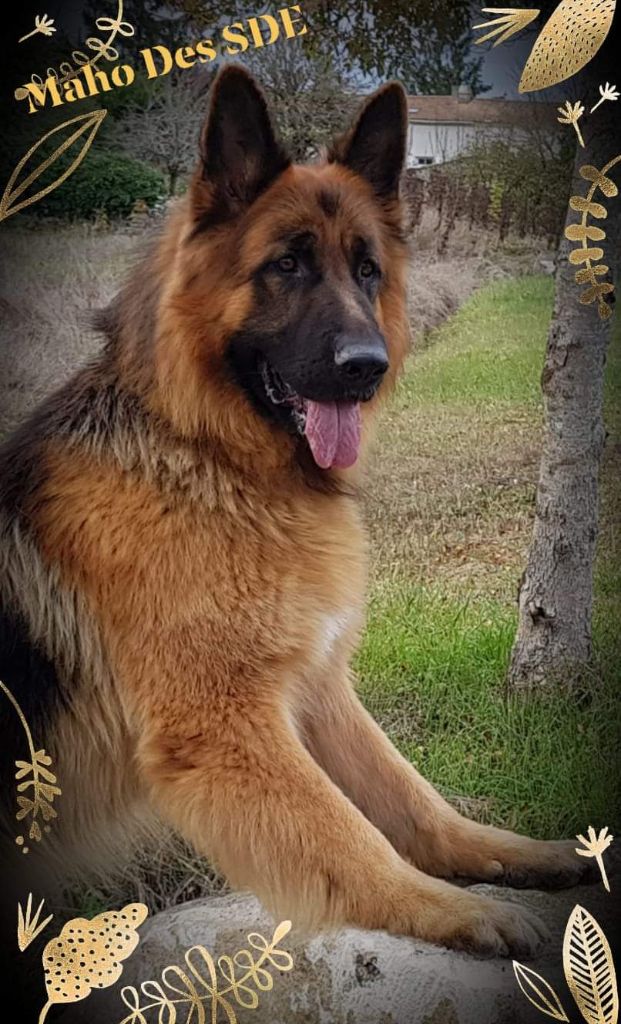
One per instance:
(361, 361)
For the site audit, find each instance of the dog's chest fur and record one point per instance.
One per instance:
(252, 579)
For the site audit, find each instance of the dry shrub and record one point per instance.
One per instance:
(437, 288)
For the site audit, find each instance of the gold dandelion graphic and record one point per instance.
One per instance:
(595, 846)
(197, 983)
(88, 954)
(28, 927)
(567, 43)
(43, 25)
(606, 92)
(508, 22)
(571, 114)
(589, 969)
(37, 785)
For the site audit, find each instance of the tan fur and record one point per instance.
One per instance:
(221, 583)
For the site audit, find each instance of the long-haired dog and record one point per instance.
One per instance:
(182, 564)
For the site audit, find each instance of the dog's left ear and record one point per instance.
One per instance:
(240, 155)
(375, 148)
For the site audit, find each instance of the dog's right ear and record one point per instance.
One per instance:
(375, 148)
(239, 153)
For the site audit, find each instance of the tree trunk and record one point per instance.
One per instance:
(173, 177)
(553, 642)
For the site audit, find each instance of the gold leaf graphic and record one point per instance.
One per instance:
(589, 969)
(509, 21)
(588, 274)
(592, 209)
(37, 787)
(88, 954)
(585, 255)
(88, 126)
(607, 185)
(580, 232)
(539, 992)
(197, 982)
(596, 292)
(586, 233)
(568, 42)
(28, 927)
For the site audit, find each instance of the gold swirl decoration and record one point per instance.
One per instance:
(98, 47)
(36, 784)
(587, 958)
(181, 993)
(585, 233)
(568, 41)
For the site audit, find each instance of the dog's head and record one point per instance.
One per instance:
(289, 279)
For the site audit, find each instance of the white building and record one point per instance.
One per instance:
(443, 127)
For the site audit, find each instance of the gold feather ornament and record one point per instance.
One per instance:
(568, 42)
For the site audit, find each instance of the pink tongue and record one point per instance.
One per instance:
(333, 433)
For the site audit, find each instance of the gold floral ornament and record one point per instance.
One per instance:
(37, 785)
(567, 43)
(508, 22)
(571, 114)
(99, 47)
(88, 954)
(589, 969)
(189, 987)
(596, 846)
(43, 25)
(87, 127)
(585, 233)
(606, 92)
(29, 927)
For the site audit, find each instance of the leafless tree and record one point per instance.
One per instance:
(308, 95)
(554, 637)
(164, 129)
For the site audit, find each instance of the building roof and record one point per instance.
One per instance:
(506, 113)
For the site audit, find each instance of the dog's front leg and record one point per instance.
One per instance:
(236, 781)
(420, 824)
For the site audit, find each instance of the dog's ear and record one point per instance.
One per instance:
(375, 148)
(239, 153)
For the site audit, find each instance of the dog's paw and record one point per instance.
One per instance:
(547, 865)
(489, 928)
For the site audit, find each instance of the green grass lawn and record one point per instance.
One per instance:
(440, 627)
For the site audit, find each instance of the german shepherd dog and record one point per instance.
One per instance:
(182, 563)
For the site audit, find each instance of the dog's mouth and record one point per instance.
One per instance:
(332, 428)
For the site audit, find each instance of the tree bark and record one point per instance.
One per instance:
(553, 642)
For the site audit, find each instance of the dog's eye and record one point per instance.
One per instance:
(287, 264)
(367, 269)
